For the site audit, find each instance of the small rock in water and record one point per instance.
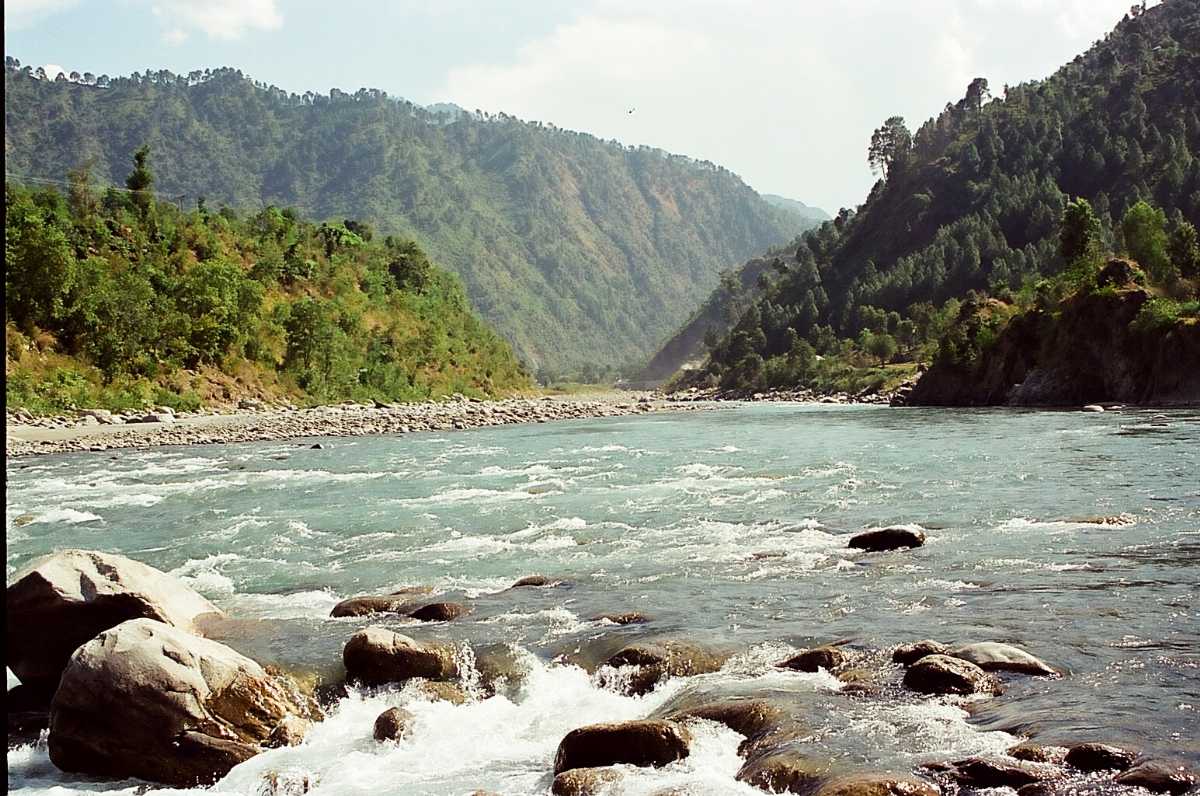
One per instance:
(1100, 757)
(748, 717)
(368, 605)
(941, 674)
(893, 538)
(533, 580)
(1092, 408)
(993, 656)
(626, 618)
(440, 612)
(827, 658)
(1036, 753)
(376, 656)
(392, 724)
(584, 781)
(908, 654)
(316, 446)
(784, 769)
(661, 659)
(1160, 776)
(442, 691)
(882, 784)
(996, 772)
(644, 742)
(289, 732)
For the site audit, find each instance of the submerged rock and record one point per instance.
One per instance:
(993, 656)
(877, 784)
(786, 769)
(584, 781)
(661, 659)
(908, 654)
(748, 717)
(882, 539)
(148, 700)
(646, 742)
(63, 600)
(440, 612)
(376, 656)
(827, 658)
(1160, 776)
(392, 724)
(941, 674)
(998, 772)
(1100, 757)
(626, 618)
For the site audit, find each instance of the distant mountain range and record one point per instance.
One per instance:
(585, 254)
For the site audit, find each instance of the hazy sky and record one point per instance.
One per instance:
(784, 93)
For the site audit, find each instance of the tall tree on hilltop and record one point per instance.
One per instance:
(890, 145)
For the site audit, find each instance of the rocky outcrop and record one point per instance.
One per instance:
(881, 539)
(584, 781)
(908, 654)
(63, 600)
(1100, 757)
(375, 656)
(647, 742)
(392, 724)
(657, 660)
(1085, 350)
(992, 656)
(148, 700)
(941, 674)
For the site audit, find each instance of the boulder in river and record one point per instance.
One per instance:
(993, 656)
(1100, 757)
(784, 769)
(657, 660)
(893, 538)
(148, 700)
(1036, 753)
(877, 784)
(826, 657)
(624, 618)
(1160, 776)
(584, 781)
(534, 581)
(440, 612)
(392, 724)
(375, 656)
(908, 654)
(63, 600)
(941, 674)
(291, 731)
(367, 605)
(645, 742)
(999, 772)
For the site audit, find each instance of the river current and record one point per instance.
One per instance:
(1074, 535)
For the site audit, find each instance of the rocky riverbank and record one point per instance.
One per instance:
(98, 430)
(102, 643)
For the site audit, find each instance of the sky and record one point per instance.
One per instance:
(785, 93)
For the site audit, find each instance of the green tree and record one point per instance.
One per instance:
(1184, 247)
(1144, 229)
(39, 264)
(141, 180)
(890, 146)
(1079, 232)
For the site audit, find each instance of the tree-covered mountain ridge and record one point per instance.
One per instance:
(973, 202)
(584, 253)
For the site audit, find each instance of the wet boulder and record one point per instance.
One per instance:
(658, 660)
(941, 674)
(392, 724)
(748, 717)
(624, 618)
(877, 784)
(440, 612)
(993, 656)
(1100, 757)
(645, 742)
(368, 605)
(442, 691)
(1036, 753)
(1160, 776)
(375, 656)
(908, 654)
(784, 769)
(534, 581)
(896, 537)
(999, 772)
(290, 731)
(148, 700)
(826, 657)
(64, 600)
(584, 781)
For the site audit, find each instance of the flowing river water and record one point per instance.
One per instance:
(725, 527)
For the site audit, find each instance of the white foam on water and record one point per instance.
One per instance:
(205, 576)
(458, 495)
(315, 603)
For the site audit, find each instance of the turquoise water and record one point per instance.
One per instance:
(726, 526)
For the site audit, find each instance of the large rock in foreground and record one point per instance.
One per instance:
(63, 600)
(148, 700)
(941, 674)
(375, 656)
(648, 742)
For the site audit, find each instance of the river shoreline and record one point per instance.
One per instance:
(88, 434)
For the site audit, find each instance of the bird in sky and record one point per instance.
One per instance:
(631, 110)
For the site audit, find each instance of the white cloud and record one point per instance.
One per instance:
(218, 19)
(21, 14)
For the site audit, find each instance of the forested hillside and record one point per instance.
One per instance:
(973, 201)
(116, 299)
(584, 253)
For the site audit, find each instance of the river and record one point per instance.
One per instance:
(724, 527)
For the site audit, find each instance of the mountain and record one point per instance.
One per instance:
(972, 201)
(116, 300)
(812, 214)
(583, 253)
